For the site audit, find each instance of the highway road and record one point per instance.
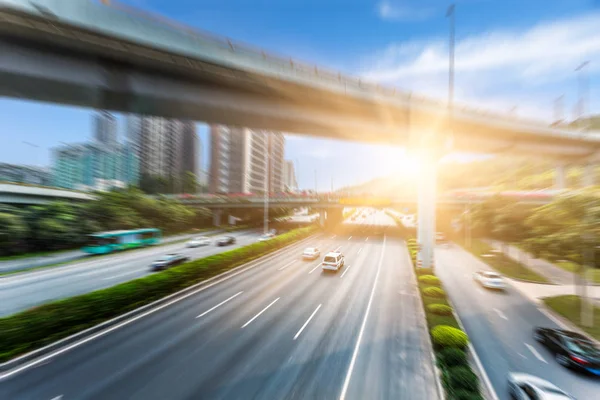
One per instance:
(22, 291)
(500, 326)
(23, 264)
(281, 330)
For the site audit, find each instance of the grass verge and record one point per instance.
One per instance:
(593, 275)
(569, 306)
(32, 329)
(503, 264)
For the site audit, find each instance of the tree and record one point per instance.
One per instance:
(190, 182)
(12, 230)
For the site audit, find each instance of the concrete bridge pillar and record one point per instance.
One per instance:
(322, 217)
(588, 177)
(560, 176)
(427, 212)
(217, 217)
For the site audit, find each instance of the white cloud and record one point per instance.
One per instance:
(504, 68)
(402, 12)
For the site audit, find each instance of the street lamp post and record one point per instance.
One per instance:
(583, 88)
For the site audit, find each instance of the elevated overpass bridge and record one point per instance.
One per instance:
(104, 55)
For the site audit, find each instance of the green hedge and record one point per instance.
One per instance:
(447, 336)
(430, 280)
(439, 309)
(453, 357)
(464, 395)
(424, 271)
(434, 292)
(37, 327)
(462, 378)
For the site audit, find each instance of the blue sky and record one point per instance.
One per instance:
(509, 53)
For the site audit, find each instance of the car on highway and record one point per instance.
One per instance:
(311, 253)
(570, 349)
(198, 241)
(490, 280)
(441, 239)
(168, 261)
(265, 237)
(332, 261)
(225, 240)
(529, 387)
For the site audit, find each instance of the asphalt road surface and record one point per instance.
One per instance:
(281, 330)
(23, 264)
(22, 291)
(500, 326)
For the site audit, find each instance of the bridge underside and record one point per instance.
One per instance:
(55, 62)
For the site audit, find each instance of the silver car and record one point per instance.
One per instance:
(529, 387)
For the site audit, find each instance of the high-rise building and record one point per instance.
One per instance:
(94, 166)
(105, 128)
(25, 174)
(166, 148)
(239, 159)
(289, 176)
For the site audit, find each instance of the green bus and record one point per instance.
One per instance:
(107, 242)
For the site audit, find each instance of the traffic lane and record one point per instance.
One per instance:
(156, 335)
(395, 358)
(92, 263)
(316, 363)
(266, 362)
(64, 257)
(504, 322)
(21, 294)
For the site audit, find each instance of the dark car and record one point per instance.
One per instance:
(168, 261)
(225, 240)
(571, 349)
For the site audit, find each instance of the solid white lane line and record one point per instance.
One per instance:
(535, 353)
(220, 304)
(258, 315)
(362, 327)
(350, 238)
(318, 265)
(345, 270)
(286, 265)
(307, 321)
(125, 274)
(359, 250)
(500, 314)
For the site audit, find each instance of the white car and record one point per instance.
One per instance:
(528, 387)
(311, 253)
(490, 280)
(265, 237)
(198, 241)
(333, 261)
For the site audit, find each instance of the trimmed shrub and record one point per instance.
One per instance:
(447, 336)
(439, 309)
(462, 378)
(430, 280)
(424, 271)
(434, 292)
(465, 395)
(453, 357)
